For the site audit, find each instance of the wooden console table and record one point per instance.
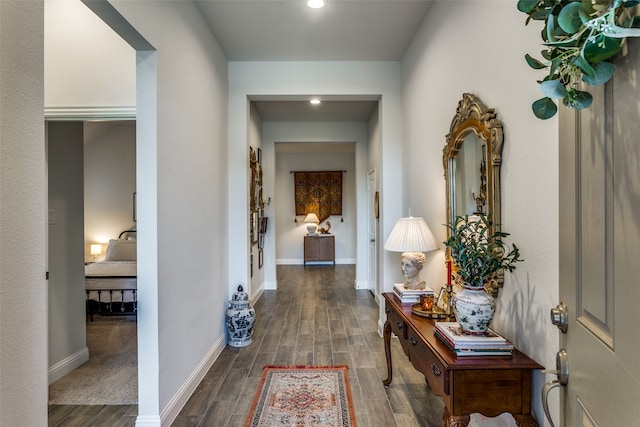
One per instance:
(487, 385)
(320, 247)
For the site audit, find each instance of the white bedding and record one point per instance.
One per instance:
(111, 275)
(111, 269)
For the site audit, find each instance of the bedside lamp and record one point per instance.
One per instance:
(313, 221)
(96, 249)
(412, 237)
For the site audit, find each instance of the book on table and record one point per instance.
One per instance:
(410, 296)
(490, 344)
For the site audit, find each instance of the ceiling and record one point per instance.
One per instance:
(326, 111)
(289, 30)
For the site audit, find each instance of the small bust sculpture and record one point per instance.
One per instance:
(412, 263)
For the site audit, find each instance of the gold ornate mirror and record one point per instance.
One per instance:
(471, 160)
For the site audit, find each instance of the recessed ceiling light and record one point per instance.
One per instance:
(316, 4)
(315, 101)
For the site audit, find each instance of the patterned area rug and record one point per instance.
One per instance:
(301, 396)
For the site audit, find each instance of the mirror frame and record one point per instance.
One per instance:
(473, 116)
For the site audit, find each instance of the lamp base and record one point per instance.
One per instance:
(311, 228)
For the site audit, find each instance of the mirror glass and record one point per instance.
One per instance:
(468, 177)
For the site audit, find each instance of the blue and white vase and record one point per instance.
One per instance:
(240, 318)
(474, 309)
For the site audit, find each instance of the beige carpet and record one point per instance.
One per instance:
(110, 377)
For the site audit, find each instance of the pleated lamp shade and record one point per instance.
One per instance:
(411, 235)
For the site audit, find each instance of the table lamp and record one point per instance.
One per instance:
(412, 237)
(313, 221)
(96, 249)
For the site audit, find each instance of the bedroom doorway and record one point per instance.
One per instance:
(91, 179)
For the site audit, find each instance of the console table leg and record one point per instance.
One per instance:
(449, 420)
(387, 351)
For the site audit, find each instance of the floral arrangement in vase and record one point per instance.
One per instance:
(478, 250)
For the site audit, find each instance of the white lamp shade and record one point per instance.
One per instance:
(96, 249)
(411, 235)
(311, 218)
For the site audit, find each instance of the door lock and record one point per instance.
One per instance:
(562, 371)
(560, 317)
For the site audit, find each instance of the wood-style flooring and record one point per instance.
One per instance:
(316, 317)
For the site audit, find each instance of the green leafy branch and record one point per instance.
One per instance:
(478, 249)
(580, 36)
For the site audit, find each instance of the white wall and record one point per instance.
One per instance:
(90, 69)
(289, 234)
(66, 297)
(23, 330)
(479, 47)
(352, 80)
(181, 186)
(109, 181)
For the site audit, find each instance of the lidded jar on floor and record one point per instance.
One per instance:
(240, 318)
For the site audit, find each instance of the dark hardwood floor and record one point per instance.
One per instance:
(316, 317)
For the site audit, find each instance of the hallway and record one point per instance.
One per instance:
(314, 318)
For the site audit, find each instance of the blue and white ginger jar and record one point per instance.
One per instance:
(240, 318)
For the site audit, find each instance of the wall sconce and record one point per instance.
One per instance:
(96, 249)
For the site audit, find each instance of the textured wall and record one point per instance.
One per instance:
(23, 331)
(479, 47)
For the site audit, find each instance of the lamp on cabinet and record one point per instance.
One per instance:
(313, 221)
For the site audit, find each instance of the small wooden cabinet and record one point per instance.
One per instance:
(320, 248)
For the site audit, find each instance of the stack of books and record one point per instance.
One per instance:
(490, 344)
(410, 296)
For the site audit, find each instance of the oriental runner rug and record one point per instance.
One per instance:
(302, 396)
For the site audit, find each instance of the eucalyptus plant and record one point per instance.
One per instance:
(580, 36)
(478, 249)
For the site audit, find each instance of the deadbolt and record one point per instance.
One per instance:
(560, 317)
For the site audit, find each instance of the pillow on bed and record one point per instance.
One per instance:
(121, 250)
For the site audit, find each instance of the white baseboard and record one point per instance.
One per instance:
(300, 261)
(177, 402)
(296, 261)
(148, 421)
(255, 297)
(271, 286)
(68, 364)
(381, 327)
(362, 284)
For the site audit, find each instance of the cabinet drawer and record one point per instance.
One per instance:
(427, 363)
(399, 328)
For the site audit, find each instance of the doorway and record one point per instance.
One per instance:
(91, 175)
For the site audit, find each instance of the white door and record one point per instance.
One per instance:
(372, 227)
(600, 251)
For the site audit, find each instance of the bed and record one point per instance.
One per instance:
(111, 285)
